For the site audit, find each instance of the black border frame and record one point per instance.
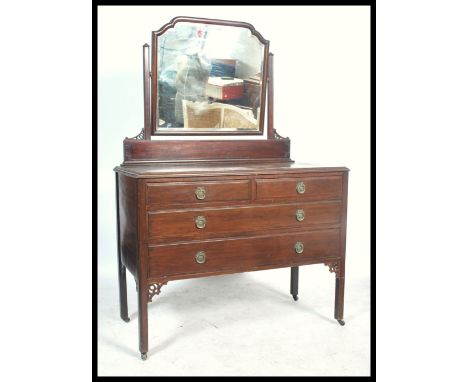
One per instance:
(372, 4)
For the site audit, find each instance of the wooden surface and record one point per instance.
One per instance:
(251, 222)
(317, 188)
(210, 169)
(179, 225)
(182, 150)
(168, 193)
(128, 216)
(243, 254)
(271, 124)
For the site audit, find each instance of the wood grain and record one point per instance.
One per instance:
(128, 215)
(179, 225)
(318, 188)
(184, 192)
(141, 150)
(232, 254)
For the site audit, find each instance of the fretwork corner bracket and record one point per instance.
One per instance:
(277, 136)
(154, 289)
(334, 268)
(141, 135)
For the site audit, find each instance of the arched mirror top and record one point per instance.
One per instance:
(208, 78)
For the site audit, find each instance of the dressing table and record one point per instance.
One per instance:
(193, 206)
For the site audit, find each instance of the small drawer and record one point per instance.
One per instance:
(243, 254)
(197, 192)
(200, 224)
(312, 188)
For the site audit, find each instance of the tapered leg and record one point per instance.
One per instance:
(143, 319)
(121, 267)
(339, 299)
(294, 282)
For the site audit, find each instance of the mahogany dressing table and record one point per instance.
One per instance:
(200, 207)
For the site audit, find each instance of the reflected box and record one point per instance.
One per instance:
(225, 88)
(223, 67)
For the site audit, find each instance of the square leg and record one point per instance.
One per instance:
(339, 299)
(294, 282)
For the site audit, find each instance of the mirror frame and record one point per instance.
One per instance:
(154, 76)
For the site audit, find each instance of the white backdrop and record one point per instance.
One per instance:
(421, 204)
(322, 103)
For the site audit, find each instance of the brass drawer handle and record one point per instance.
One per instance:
(200, 222)
(300, 215)
(200, 192)
(299, 247)
(200, 257)
(300, 187)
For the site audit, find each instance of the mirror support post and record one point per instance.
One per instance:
(146, 92)
(271, 130)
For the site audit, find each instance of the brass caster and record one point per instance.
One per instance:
(341, 322)
(295, 297)
(144, 356)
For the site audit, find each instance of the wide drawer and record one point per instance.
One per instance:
(243, 254)
(197, 192)
(316, 188)
(199, 224)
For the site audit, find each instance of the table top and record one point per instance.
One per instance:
(150, 170)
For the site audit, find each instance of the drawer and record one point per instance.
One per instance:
(314, 188)
(197, 192)
(239, 221)
(243, 254)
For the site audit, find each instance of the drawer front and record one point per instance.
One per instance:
(243, 254)
(197, 192)
(316, 188)
(199, 224)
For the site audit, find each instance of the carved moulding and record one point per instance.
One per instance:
(154, 289)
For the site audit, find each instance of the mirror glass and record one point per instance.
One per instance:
(209, 79)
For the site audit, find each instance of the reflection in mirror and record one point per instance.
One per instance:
(209, 78)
